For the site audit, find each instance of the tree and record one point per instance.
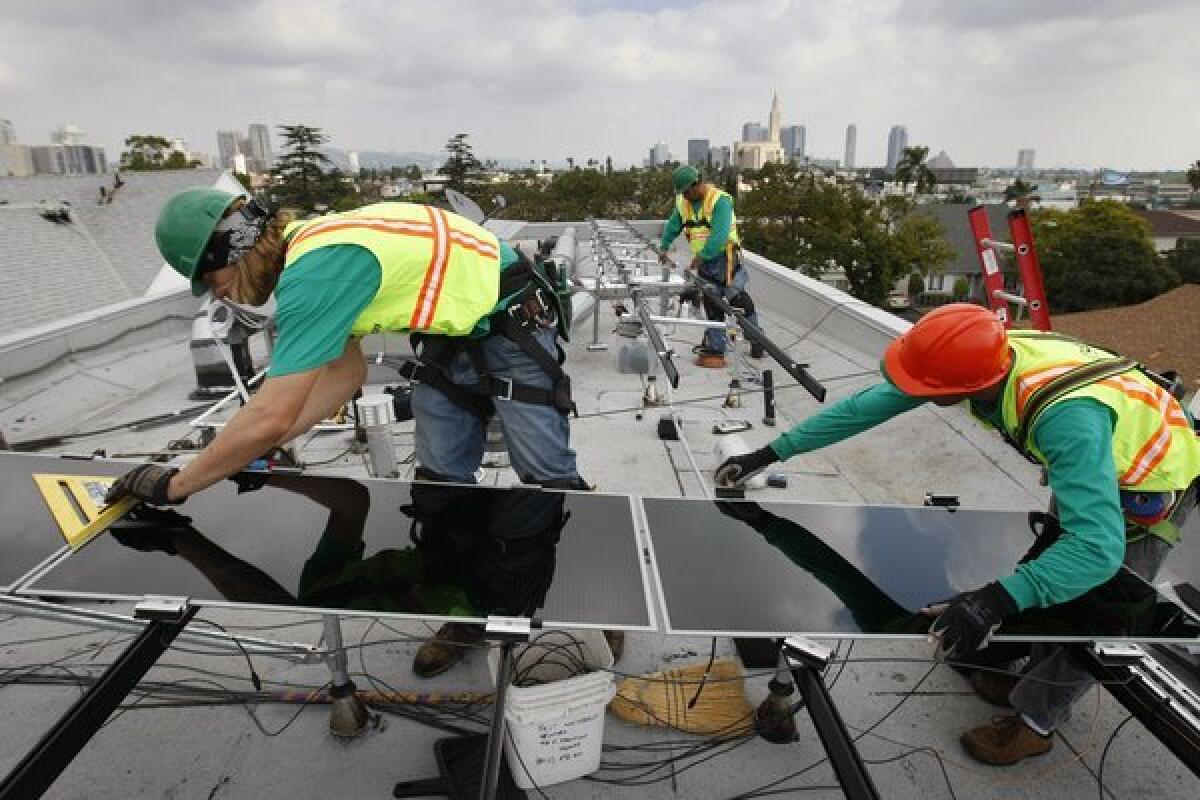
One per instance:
(916, 284)
(911, 168)
(1184, 260)
(461, 162)
(961, 287)
(1193, 176)
(304, 176)
(792, 218)
(1020, 193)
(1099, 255)
(152, 152)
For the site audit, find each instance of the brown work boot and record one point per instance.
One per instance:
(994, 687)
(1005, 741)
(616, 643)
(710, 360)
(446, 648)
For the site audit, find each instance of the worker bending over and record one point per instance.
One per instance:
(1121, 456)
(705, 215)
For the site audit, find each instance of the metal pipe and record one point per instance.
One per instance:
(690, 457)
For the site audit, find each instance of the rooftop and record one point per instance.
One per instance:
(912, 709)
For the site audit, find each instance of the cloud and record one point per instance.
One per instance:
(1082, 82)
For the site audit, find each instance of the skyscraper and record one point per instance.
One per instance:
(259, 140)
(754, 132)
(774, 120)
(659, 155)
(1025, 159)
(719, 156)
(851, 144)
(227, 148)
(897, 141)
(697, 152)
(792, 140)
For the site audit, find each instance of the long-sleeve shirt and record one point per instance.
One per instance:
(1075, 435)
(718, 235)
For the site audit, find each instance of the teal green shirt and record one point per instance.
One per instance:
(319, 297)
(1076, 438)
(718, 236)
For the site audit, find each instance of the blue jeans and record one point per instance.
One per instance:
(715, 269)
(450, 439)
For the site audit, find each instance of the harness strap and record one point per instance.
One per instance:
(1069, 381)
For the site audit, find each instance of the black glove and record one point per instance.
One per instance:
(146, 482)
(970, 619)
(736, 470)
(750, 513)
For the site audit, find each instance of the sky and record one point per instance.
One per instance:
(1089, 83)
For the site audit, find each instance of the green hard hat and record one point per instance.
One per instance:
(683, 177)
(185, 225)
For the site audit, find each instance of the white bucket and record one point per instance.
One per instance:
(556, 729)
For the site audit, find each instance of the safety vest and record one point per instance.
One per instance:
(696, 228)
(440, 271)
(1155, 448)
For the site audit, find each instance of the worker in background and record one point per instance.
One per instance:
(1121, 457)
(705, 215)
(485, 321)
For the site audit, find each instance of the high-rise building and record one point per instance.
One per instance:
(259, 143)
(754, 132)
(227, 148)
(851, 145)
(1025, 159)
(792, 139)
(352, 160)
(719, 156)
(774, 120)
(659, 155)
(68, 159)
(698, 152)
(8, 133)
(897, 141)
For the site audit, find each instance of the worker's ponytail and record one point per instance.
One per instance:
(258, 270)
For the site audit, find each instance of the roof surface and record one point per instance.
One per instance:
(953, 217)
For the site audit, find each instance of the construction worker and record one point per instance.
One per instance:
(1121, 457)
(485, 319)
(705, 215)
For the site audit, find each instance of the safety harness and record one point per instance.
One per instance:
(533, 307)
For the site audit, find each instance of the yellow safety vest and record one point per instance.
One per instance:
(440, 271)
(696, 228)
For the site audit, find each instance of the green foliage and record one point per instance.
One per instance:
(961, 287)
(911, 168)
(461, 162)
(152, 152)
(1184, 260)
(1098, 256)
(791, 217)
(304, 176)
(1020, 192)
(916, 284)
(1193, 176)
(582, 192)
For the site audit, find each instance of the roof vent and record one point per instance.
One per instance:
(57, 211)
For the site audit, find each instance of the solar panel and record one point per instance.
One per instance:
(845, 571)
(372, 547)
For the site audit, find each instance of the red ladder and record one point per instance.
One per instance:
(1027, 265)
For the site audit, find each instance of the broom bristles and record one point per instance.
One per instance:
(661, 699)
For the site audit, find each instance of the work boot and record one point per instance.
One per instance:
(1005, 741)
(994, 687)
(446, 648)
(616, 643)
(710, 359)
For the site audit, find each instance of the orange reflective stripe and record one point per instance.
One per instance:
(484, 248)
(1152, 452)
(431, 289)
(1030, 382)
(386, 225)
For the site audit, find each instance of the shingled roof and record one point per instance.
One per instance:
(101, 254)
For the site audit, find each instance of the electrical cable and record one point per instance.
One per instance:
(254, 679)
(1104, 755)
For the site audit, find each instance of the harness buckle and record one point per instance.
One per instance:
(508, 391)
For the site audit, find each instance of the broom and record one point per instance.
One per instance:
(662, 699)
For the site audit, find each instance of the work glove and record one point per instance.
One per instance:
(146, 482)
(750, 513)
(736, 470)
(966, 621)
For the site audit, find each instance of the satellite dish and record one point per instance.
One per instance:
(465, 206)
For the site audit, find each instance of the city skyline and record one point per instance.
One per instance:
(586, 78)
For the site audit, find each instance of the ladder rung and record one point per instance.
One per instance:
(1012, 298)
(1006, 246)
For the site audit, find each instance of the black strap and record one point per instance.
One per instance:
(1077, 378)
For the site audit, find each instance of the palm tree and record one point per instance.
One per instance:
(911, 168)
(1193, 176)
(1020, 193)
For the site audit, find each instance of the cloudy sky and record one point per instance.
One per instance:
(1085, 82)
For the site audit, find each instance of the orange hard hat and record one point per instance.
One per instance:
(956, 349)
